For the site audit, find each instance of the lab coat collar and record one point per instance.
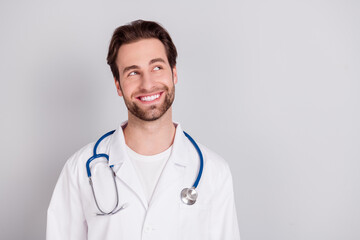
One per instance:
(118, 153)
(125, 170)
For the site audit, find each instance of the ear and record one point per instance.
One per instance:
(118, 88)
(175, 77)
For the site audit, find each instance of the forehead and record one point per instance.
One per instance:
(140, 52)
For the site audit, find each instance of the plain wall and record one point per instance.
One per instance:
(272, 86)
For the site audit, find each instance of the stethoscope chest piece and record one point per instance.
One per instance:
(189, 196)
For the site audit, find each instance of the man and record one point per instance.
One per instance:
(152, 158)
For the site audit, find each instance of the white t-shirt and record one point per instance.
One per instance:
(149, 168)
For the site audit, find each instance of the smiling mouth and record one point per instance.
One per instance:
(149, 98)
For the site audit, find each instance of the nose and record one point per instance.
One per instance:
(146, 81)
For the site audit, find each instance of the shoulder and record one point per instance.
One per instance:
(213, 159)
(75, 165)
(77, 162)
(216, 168)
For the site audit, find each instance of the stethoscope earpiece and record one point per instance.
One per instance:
(189, 196)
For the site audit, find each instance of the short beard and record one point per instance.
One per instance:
(154, 112)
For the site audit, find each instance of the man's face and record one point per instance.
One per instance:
(146, 79)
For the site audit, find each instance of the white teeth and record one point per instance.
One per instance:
(150, 98)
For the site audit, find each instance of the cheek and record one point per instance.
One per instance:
(165, 77)
(128, 88)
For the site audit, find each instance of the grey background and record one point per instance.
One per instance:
(272, 86)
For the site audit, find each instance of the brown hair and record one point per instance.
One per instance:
(135, 31)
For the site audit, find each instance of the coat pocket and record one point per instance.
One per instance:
(194, 221)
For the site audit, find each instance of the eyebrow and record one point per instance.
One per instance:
(130, 68)
(156, 60)
(152, 61)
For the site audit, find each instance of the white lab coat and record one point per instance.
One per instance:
(72, 210)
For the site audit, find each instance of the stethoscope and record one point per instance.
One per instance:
(188, 195)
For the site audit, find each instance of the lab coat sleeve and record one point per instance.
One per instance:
(65, 217)
(224, 219)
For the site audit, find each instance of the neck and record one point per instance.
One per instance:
(150, 137)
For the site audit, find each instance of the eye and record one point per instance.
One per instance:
(133, 73)
(157, 68)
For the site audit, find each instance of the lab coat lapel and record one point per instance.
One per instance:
(174, 169)
(123, 167)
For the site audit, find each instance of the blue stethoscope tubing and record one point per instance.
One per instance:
(188, 195)
(196, 183)
(95, 155)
